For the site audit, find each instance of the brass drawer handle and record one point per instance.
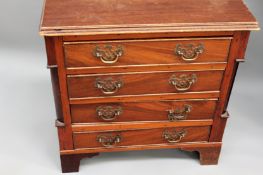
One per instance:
(108, 54)
(179, 114)
(108, 85)
(183, 82)
(174, 136)
(109, 140)
(189, 52)
(108, 113)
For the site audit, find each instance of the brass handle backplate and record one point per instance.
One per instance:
(108, 113)
(189, 52)
(108, 54)
(109, 140)
(174, 136)
(179, 114)
(183, 82)
(108, 85)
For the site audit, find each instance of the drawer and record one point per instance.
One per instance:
(143, 52)
(144, 111)
(102, 85)
(141, 137)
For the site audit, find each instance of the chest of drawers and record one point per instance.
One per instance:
(136, 75)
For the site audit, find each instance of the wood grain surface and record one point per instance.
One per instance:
(144, 111)
(142, 83)
(141, 137)
(152, 51)
(69, 17)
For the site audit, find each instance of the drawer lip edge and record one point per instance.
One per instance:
(179, 67)
(163, 146)
(145, 72)
(149, 40)
(128, 98)
(168, 100)
(127, 126)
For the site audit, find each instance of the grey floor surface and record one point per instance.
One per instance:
(28, 138)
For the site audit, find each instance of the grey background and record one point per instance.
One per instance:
(28, 138)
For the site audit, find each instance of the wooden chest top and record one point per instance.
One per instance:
(81, 17)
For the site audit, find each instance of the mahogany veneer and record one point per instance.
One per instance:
(145, 111)
(125, 78)
(141, 137)
(81, 86)
(143, 52)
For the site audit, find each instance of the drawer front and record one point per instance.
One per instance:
(143, 83)
(144, 111)
(166, 51)
(141, 137)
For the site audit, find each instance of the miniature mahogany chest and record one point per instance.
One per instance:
(143, 74)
